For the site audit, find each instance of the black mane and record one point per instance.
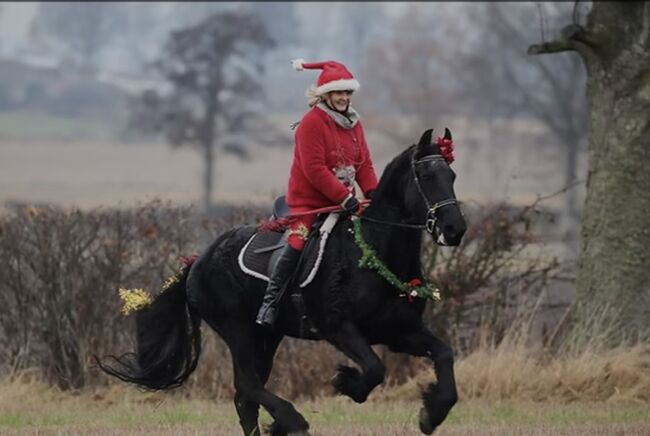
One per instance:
(400, 165)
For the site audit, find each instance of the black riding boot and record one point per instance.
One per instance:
(277, 282)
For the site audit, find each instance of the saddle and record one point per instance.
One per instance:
(260, 253)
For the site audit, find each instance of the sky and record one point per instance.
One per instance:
(15, 18)
(14, 24)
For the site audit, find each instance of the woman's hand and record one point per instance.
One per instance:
(350, 205)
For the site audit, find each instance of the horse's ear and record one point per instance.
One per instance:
(447, 134)
(425, 140)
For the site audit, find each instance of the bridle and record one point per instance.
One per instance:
(431, 218)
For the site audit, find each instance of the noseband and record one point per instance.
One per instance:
(431, 218)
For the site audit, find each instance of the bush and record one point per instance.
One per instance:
(61, 270)
(498, 272)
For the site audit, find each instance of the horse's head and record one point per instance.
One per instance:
(430, 192)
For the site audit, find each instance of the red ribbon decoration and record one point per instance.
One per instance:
(188, 260)
(412, 284)
(446, 149)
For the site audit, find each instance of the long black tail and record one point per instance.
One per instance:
(168, 342)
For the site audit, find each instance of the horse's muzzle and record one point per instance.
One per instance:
(450, 235)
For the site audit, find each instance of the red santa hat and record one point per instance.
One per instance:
(335, 77)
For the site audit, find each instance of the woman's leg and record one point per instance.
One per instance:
(284, 269)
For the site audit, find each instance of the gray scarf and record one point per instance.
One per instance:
(347, 120)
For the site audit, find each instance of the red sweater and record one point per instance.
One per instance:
(312, 182)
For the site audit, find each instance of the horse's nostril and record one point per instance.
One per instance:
(450, 230)
(453, 233)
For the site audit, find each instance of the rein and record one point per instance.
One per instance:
(324, 210)
(430, 219)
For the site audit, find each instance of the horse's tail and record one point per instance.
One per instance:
(168, 342)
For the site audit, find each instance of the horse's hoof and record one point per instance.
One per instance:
(436, 407)
(276, 430)
(348, 381)
(425, 422)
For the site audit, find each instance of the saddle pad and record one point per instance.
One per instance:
(255, 256)
(263, 249)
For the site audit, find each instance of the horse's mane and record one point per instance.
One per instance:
(395, 168)
(399, 167)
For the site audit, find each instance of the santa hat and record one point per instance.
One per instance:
(335, 77)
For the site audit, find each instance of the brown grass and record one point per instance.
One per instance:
(505, 390)
(512, 370)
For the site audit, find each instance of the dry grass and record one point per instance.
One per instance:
(505, 390)
(501, 373)
(513, 370)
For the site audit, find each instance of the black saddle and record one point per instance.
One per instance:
(280, 208)
(259, 255)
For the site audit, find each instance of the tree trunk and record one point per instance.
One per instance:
(614, 264)
(208, 176)
(208, 135)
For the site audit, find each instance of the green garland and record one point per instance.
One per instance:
(369, 259)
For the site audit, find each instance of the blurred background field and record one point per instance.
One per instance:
(91, 200)
(64, 114)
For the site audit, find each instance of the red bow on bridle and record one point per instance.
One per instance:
(446, 149)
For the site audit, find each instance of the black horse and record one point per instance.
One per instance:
(351, 307)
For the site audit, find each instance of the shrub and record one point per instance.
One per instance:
(61, 270)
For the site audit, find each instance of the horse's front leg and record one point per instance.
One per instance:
(349, 381)
(438, 398)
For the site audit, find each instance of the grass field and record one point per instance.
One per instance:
(69, 162)
(30, 407)
(507, 389)
(41, 126)
(142, 414)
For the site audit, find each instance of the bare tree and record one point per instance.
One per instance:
(77, 31)
(279, 19)
(186, 14)
(404, 71)
(614, 264)
(359, 24)
(213, 71)
(145, 25)
(497, 77)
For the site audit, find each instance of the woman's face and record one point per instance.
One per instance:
(339, 100)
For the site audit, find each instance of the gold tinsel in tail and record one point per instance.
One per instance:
(134, 300)
(172, 280)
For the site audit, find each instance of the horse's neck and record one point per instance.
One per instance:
(398, 248)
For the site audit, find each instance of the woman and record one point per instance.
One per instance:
(330, 156)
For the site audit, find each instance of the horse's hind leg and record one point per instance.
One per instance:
(248, 410)
(439, 397)
(240, 338)
(349, 381)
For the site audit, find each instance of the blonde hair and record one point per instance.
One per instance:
(312, 97)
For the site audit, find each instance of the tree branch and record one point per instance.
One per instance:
(573, 38)
(551, 47)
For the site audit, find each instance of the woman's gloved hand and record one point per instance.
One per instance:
(350, 205)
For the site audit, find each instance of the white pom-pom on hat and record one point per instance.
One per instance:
(298, 64)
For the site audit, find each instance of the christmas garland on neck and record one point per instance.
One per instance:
(411, 289)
